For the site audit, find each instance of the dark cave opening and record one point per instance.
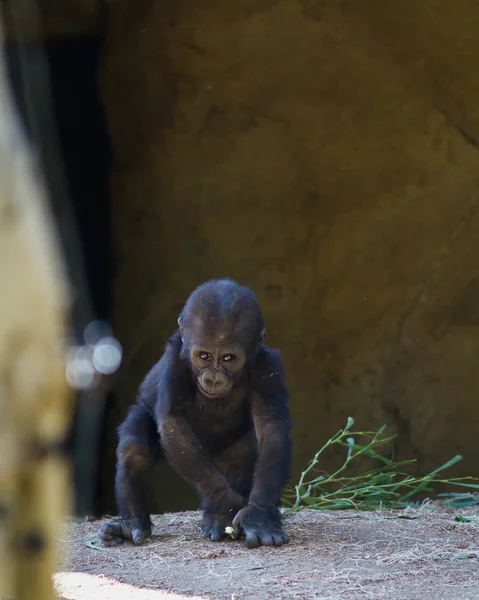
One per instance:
(84, 149)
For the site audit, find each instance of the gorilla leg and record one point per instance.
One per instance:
(138, 449)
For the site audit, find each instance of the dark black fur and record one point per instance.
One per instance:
(243, 421)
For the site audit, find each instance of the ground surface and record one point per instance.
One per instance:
(421, 554)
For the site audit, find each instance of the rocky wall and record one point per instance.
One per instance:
(324, 152)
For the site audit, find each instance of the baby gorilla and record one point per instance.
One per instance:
(217, 394)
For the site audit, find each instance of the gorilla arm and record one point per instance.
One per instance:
(261, 519)
(185, 453)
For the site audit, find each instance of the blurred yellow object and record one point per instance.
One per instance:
(35, 403)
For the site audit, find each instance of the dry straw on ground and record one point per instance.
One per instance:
(421, 553)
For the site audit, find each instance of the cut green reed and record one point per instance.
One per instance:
(385, 486)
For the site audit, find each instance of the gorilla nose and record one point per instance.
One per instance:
(214, 383)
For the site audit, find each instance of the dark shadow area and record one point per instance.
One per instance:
(85, 151)
(83, 140)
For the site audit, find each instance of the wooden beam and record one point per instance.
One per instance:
(35, 404)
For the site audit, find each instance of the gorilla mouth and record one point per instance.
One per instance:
(211, 395)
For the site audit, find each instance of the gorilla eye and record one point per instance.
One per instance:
(228, 357)
(204, 355)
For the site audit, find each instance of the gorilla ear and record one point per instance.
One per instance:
(261, 340)
(180, 319)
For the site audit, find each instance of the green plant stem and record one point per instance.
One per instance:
(375, 488)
